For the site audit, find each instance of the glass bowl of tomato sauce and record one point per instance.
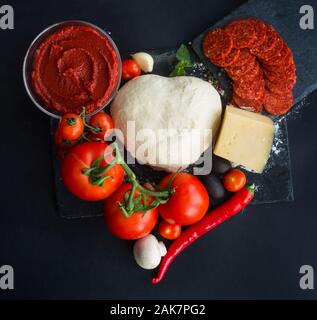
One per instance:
(71, 66)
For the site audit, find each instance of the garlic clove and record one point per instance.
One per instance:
(144, 60)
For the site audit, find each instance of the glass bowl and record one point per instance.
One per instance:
(28, 65)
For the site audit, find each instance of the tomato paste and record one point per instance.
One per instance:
(75, 67)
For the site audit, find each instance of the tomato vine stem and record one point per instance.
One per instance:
(136, 204)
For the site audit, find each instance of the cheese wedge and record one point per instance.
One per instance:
(245, 138)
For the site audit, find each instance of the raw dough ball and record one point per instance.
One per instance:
(174, 119)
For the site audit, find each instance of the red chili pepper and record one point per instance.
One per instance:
(211, 220)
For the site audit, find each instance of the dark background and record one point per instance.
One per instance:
(254, 255)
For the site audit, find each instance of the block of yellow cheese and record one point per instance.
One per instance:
(245, 138)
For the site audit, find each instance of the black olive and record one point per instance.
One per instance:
(214, 186)
(220, 165)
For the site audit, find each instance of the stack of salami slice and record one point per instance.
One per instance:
(258, 61)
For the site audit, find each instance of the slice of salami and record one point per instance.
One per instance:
(235, 73)
(278, 104)
(217, 44)
(281, 75)
(285, 54)
(251, 98)
(268, 44)
(229, 60)
(242, 32)
(244, 57)
(284, 67)
(250, 105)
(270, 54)
(253, 90)
(253, 74)
(260, 32)
(280, 87)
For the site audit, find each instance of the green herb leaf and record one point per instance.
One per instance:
(182, 54)
(183, 57)
(179, 69)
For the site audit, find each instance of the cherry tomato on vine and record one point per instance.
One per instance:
(130, 69)
(169, 231)
(62, 145)
(234, 180)
(71, 126)
(137, 225)
(189, 202)
(102, 122)
(83, 175)
(61, 142)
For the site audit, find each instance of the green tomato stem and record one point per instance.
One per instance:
(132, 203)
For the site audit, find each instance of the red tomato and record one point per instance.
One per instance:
(82, 157)
(62, 145)
(169, 231)
(71, 126)
(188, 204)
(136, 226)
(130, 69)
(103, 122)
(234, 180)
(62, 142)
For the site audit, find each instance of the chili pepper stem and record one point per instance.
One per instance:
(251, 188)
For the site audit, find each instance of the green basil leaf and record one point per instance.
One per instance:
(183, 54)
(183, 57)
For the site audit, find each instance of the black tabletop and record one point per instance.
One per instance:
(254, 255)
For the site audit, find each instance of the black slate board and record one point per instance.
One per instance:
(274, 185)
(284, 16)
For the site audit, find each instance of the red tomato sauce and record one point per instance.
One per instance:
(75, 67)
